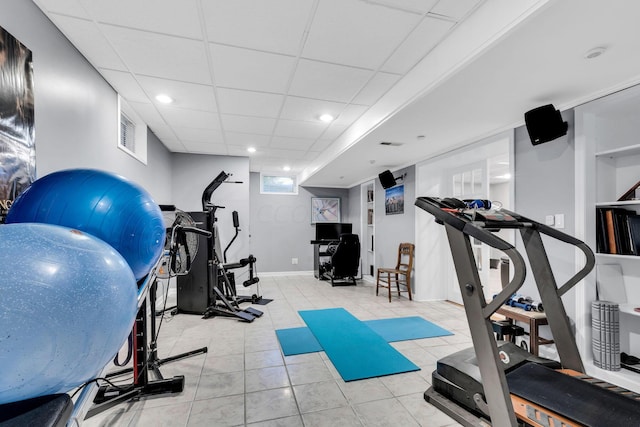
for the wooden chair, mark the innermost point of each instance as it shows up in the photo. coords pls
(401, 274)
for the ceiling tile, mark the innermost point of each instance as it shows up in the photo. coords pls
(163, 132)
(247, 139)
(148, 113)
(350, 114)
(418, 6)
(321, 145)
(250, 69)
(248, 124)
(125, 84)
(375, 88)
(198, 135)
(239, 151)
(66, 7)
(298, 144)
(274, 26)
(173, 145)
(296, 108)
(333, 131)
(455, 9)
(429, 33)
(185, 95)
(311, 155)
(160, 16)
(205, 148)
(299, 129)
(277, 153)
(246, 103)
(189, 118)
(88, 39)
(331, 82)
(356, 33)
(160, 55)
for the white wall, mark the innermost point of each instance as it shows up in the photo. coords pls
(282, 229)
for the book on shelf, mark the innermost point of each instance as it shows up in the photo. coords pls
(617, 231)
(369, 195)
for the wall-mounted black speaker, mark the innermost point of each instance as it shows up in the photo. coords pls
(387, 179)
(545, 124)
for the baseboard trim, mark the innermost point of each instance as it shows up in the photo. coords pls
(286, 273)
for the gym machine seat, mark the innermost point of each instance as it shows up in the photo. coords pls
(345, 260)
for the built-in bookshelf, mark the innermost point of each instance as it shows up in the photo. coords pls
(368, 229)
(607, 137)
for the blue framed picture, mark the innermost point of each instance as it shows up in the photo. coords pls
(394, 200)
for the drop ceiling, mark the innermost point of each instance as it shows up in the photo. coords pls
(428, 75)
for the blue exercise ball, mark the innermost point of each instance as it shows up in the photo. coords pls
(103, 204)
(68, 302)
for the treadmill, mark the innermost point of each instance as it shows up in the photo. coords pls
(497, 383)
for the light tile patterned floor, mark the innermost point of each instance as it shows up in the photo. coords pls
(244, 380)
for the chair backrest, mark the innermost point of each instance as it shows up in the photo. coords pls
(405, 257)
(346, 258)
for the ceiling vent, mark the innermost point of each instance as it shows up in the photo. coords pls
(391, 144)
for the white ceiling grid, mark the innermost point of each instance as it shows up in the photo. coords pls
(254, 72)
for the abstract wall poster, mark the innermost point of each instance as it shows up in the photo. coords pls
(17, 133)
(325, 209)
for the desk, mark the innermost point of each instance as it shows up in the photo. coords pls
(533, 318)
(319, 252)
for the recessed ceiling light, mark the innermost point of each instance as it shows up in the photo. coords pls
(286, 168)
(251, 149)
(595, 52)
(327, 118)
(165, 99)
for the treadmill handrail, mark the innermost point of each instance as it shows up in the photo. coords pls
(474, 229)
(469, 228)
(590, 258)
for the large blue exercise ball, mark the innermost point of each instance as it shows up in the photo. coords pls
(103, 204)
(68, 302)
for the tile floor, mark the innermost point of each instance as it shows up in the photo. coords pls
(244, 380)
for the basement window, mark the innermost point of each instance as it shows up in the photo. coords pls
(132, 132)
(278, 184)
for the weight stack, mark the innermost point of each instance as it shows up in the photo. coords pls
(605, 327)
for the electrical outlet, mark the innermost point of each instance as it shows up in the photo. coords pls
(549, 220)
(294, 261)
(559, 220)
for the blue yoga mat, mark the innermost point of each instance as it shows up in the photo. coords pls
(301, 340)
(356, 351)
(297, 341)
(406, 328)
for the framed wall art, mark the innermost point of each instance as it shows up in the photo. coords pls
(325, 209)
(394, 200)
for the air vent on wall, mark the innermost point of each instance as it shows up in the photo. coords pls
(391, 144)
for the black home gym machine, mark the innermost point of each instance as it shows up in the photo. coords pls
(497, 382)
(210, 289)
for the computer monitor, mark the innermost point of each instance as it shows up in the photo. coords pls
(331, 230)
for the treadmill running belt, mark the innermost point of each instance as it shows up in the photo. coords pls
(584, 403)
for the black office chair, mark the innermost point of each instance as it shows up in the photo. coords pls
(345, 260)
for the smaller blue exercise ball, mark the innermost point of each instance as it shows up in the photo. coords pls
(68, 303)
(100, 203)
